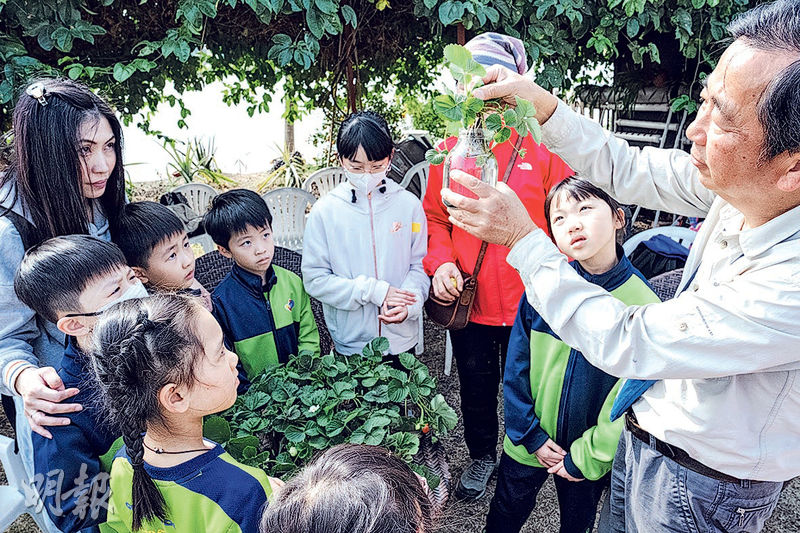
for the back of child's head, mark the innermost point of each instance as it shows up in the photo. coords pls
(368, 130)
(578, 189)
(54, 273)
(351, 489)
(232, 212)
(140, 346)
(140, 227)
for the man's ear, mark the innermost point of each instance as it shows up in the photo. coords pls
(790, 182)
(141, 274)
(74, 326)
(173, 399)
(224, 251)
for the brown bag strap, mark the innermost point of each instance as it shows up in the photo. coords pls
(511, 161)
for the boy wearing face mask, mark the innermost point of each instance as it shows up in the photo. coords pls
(364, 244)
(70, 281)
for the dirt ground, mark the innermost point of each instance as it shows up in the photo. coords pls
(462, 517)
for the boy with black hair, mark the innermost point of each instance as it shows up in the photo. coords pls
(156, 246)
(263, 309)
(557, 405)
(69, 281)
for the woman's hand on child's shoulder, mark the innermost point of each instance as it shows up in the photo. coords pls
(42, 392)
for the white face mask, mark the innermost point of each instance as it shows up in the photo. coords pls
(365, 181)
(136, 290)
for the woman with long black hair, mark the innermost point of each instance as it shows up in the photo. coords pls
(64, 176)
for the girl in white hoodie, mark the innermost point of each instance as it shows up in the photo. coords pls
(364, 243)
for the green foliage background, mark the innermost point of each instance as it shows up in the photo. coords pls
(129, 49)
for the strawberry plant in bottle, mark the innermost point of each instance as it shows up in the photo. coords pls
(479, 125)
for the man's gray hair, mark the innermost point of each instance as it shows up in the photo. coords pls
(775, 26)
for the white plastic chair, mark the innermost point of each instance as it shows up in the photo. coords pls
(205, 241)
(421, 169)
(198, 194)
(289, 206)
(13, 502)
(324, 181)
(683, 236)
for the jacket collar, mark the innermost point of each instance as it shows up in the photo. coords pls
(11, 202)
(75, 362)
(756, 241)
(253, 282)
(612, 279)
(346, 191)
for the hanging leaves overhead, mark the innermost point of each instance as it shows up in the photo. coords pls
(131, 49)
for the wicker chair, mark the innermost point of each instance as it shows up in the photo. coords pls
(212, 267)
(665, 285)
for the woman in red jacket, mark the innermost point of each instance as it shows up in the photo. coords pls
(479, 348)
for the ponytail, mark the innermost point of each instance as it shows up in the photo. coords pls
(146, 500)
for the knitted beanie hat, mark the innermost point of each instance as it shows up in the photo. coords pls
(497, 49)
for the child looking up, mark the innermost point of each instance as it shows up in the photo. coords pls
(364, 243)
(162, 366)
(70, 281)
(263, 309)
(557, 405)
(156, 245)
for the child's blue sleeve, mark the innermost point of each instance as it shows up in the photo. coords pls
(522, 424)
(68, 474)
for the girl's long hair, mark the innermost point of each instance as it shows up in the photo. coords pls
(45, 164)
(141, 345)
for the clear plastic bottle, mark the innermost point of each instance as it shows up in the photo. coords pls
(472, 155)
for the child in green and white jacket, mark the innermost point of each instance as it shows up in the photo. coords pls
(557, 405)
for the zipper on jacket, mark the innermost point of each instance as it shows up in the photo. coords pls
(562, 421)
(272, 325)
(374, 249)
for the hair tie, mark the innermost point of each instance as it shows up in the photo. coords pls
(147, 324)
(37, 90)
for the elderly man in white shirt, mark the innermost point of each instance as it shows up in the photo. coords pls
(711, 438)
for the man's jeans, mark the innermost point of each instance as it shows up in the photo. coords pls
(650, 492)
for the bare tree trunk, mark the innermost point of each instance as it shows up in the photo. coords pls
(288, 135)
(351, 87)
(461, 35)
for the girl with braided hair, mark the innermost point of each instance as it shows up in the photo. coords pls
(161, 366)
